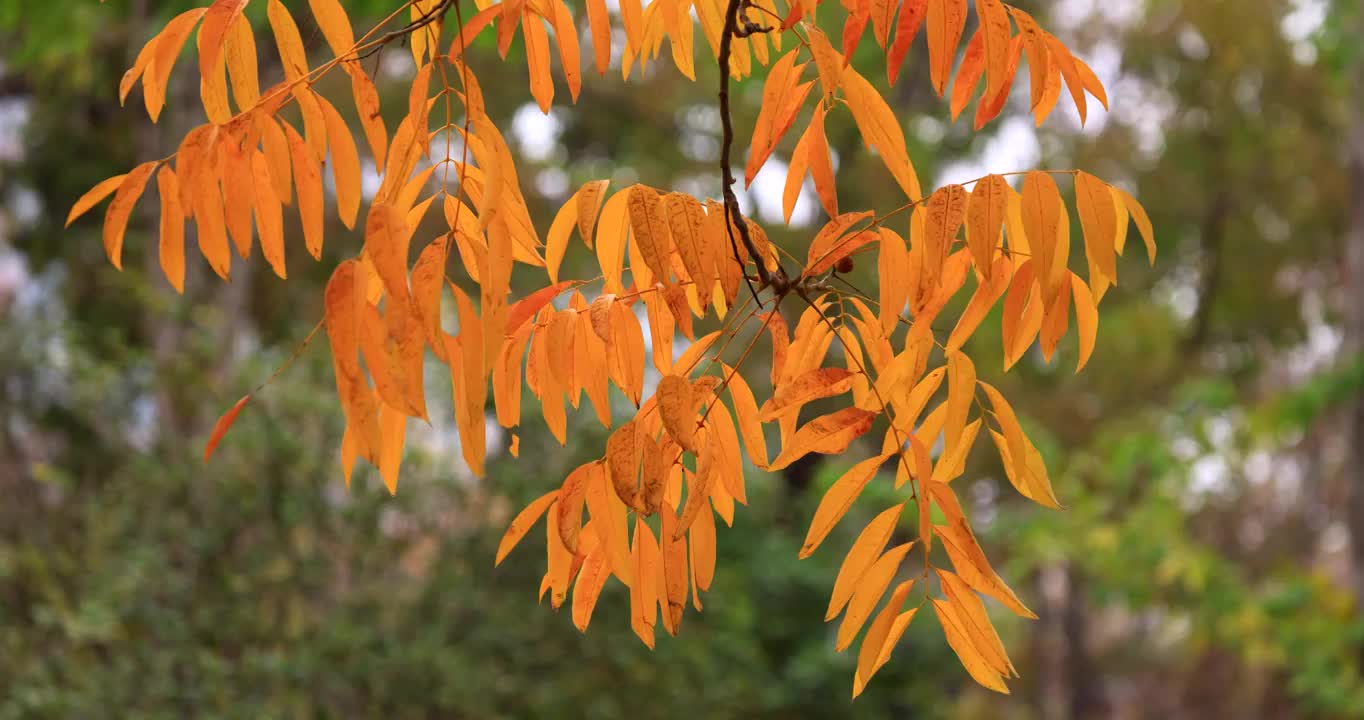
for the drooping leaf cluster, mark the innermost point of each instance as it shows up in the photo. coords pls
(644, 511)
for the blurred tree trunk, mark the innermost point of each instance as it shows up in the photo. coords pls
(1354, 308)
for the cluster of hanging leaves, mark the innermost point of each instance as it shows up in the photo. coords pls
(644, 512)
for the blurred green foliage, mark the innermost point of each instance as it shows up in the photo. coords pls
(1193, 573)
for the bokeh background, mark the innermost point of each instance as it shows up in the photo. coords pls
(1209, 563)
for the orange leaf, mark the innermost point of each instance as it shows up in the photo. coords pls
(968, 74)
(985, 215)
(837, 499)
(1143, 222)
(1042, 211)
(1098, 218)
(599, 20)
(221, 427)
(116, 217)
(870, 587)
(292, 55)
(783, 94)
(345, 163)
(946, 211)
(676, 410)
(863, 553)
(828, 434)
(537, 61)
(746, 409)
(168, 46)
(832, 243)
(955, 629)
(308, 181)
(882, 635)
(811, 385)
(880, 129)
(93, 196)
(995, 32)
(649, 225)
(946, 20)
(172, 246)
(912, 14)
(269, 214)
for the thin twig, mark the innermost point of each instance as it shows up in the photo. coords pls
(779, 282)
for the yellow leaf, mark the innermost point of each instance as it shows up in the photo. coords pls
(874, 643)
(622, 458)
(644, 591)
(367, 104)
(537, 60)
(914, 402)
(880, 129)
(292, 55)
(954, 628)
(241, 63)
(345, 163)
(863, 553)
(1142, 220)
(961, 389)
(522, 523)
(556, 242)
(1099, 221)
(673, 553)
(986, 295)
(892, 268)
(821, 165)
(686, 223)
(837, 500)
(610, 245)
(168, 46)
(952, 463)
(892, 638)
(1086, 319)
(386, 238)
(977, 623)
(599, 21)
(974, 568)
(870, 587)
(331, 19)
(985, 216)
(994, 22)
(1042, 210)
(828, 61)
(746, 409)
(589, 198)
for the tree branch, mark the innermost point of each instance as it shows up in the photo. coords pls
(778, 281)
